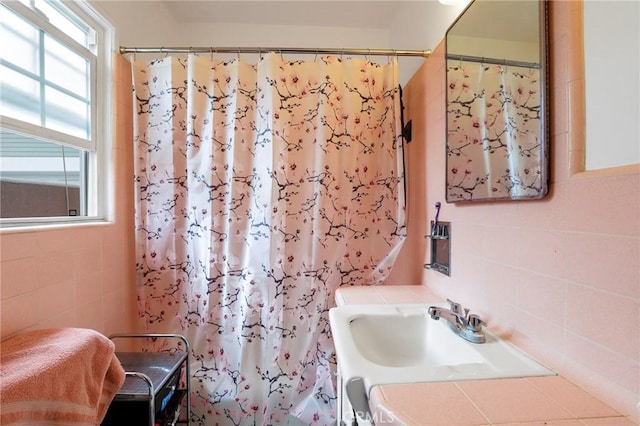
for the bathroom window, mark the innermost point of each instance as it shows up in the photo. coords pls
(55, 111)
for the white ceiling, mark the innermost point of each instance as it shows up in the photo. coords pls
(351, 14)
(514, 17)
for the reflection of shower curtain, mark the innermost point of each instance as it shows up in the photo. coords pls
(493, 129)
(260, 190)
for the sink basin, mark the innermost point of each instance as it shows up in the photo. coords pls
(400, 343)
(407, 339)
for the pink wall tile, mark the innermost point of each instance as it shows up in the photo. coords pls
(87, 261)
(17, 246)
(543, 296)
(60, 320)
(54, 240)
(603, 370)
(541, 251)
(501, 282)
(54, 299)
(471, 237)
(541, 338)
(560, 166)
(605, 205)
(118, 323)
(90, 315)
(55, 266)
(548, 213)
(501, 214)
(567, 256)
(18, 313)
(88, 289)
(502, 244)
(605, 262)
(88, 236)
(112, 256)
(18, 277)
(467, 269)
(584, 306)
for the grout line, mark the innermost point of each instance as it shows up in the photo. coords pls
(542, 391)
(473, 403)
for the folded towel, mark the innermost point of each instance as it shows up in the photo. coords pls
(65, 376)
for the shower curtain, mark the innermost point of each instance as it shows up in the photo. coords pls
(260, 190)
(493, 130)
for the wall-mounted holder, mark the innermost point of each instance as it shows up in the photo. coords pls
(440, 247)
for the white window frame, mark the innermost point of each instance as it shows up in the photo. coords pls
(99, 191)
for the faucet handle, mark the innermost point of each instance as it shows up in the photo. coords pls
(456, 308)
(475, 323)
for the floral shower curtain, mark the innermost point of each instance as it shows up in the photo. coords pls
(493, 128)
(261, 190)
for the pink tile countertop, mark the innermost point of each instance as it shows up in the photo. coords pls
(530, 401)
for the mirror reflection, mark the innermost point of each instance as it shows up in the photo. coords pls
(496, 93)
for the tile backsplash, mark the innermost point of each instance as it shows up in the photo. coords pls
(559, 276)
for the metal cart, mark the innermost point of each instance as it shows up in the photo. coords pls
(151, 393)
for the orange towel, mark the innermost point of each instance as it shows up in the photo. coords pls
(64, 376)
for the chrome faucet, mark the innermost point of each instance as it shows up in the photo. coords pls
(467, 326)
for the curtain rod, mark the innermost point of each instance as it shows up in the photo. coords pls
(492, 61)
(294, 50)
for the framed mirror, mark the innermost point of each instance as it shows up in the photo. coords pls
(497, 102)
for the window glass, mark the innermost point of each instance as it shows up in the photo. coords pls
(66, 113)
(40, 178)
(65, 68)
(65, 21)
(20, 96)
(51, 154)
(21, 42)
(63, 80)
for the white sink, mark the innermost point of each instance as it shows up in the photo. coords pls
(400, 343)
(407, 337)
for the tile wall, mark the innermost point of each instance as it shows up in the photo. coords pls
(559, 276)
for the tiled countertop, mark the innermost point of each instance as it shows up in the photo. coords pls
(530, 401)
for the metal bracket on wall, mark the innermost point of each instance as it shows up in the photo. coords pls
(440, 247)
(407, 131)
